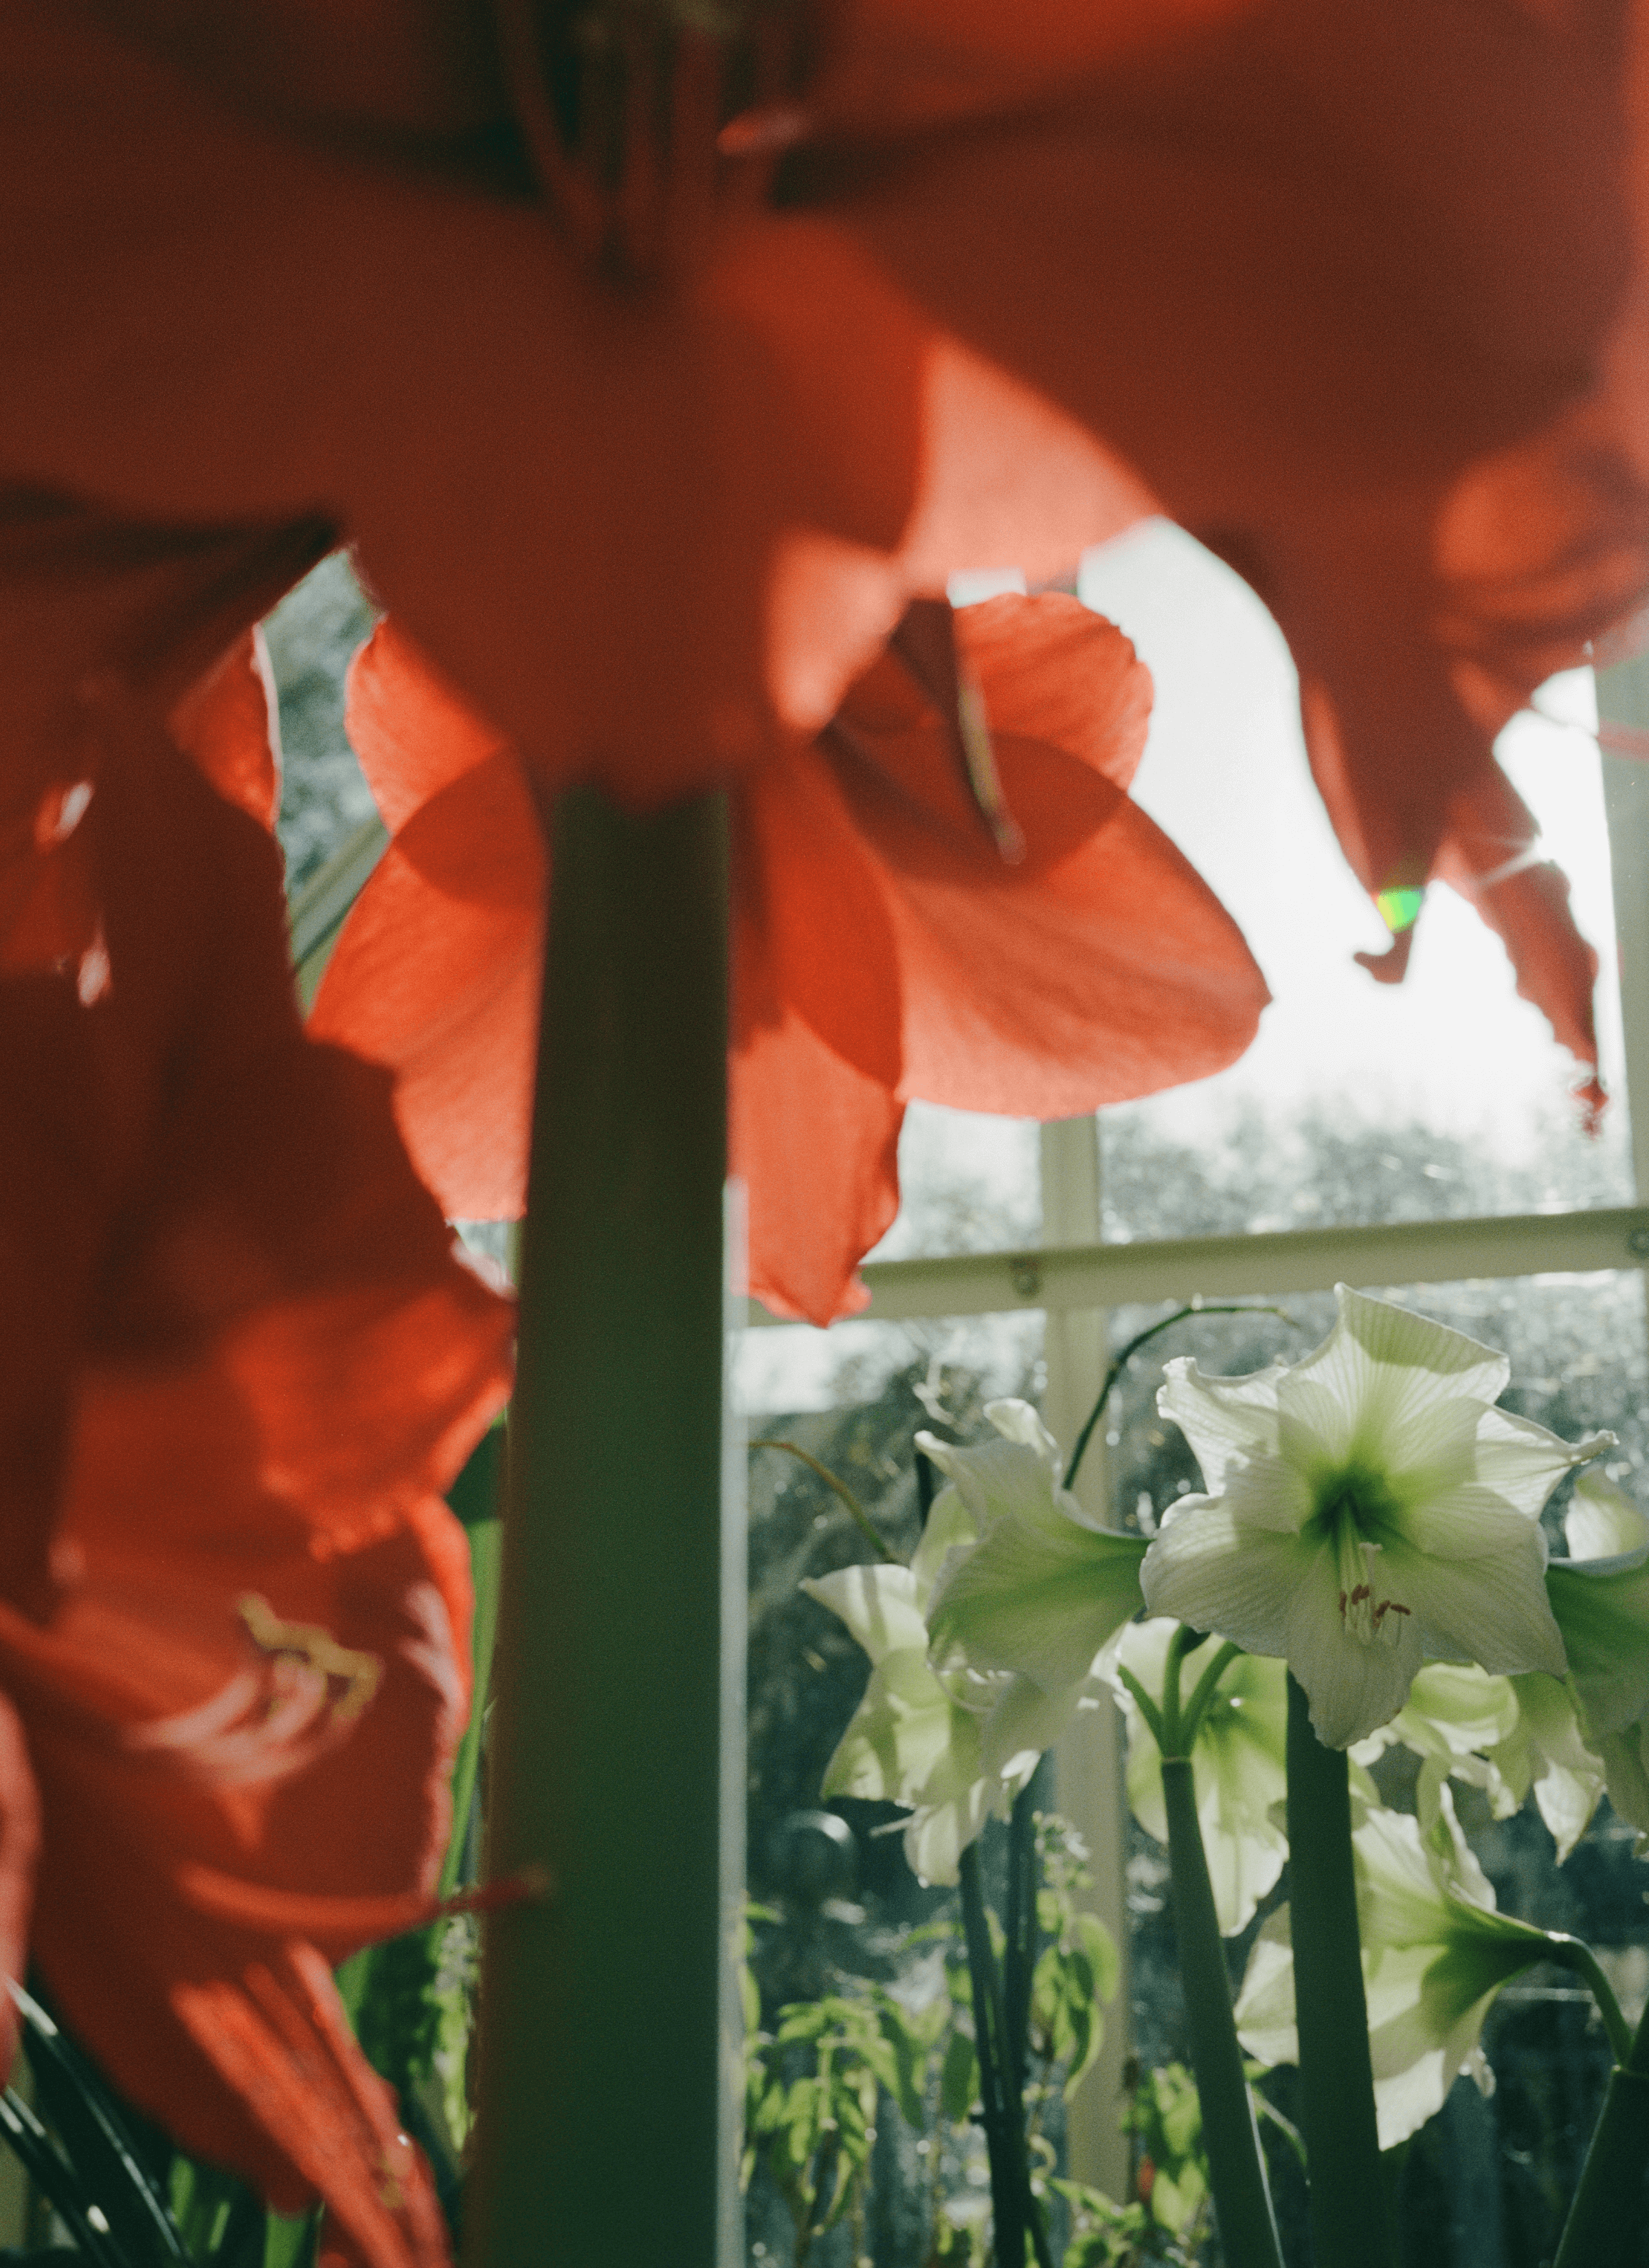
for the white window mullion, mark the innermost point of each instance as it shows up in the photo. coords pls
(1622, 698)
(1087, 1760)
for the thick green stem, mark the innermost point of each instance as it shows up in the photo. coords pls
(1350, 2217)
(1242, 2203)
(1007, 2183)
(1607, 2213)
(475, 1498)
(617, 1759)
(1018, 1965)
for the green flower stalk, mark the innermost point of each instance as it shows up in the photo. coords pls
(1238, 1767)
(1242, 2203)
(1368, 1508)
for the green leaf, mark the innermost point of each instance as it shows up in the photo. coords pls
(1100, 1948)
(73, 2096)
(959, 2078)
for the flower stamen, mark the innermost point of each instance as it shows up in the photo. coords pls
(1364, 1612)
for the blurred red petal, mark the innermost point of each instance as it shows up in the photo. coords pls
(817, 1144)
(229, 723)
(259, 1360)
(813, 1124)
(322, 1784)
(1399, 245)
(436, 976)
(414, 732)
(1487, 857)
(1051, 670)
(19, 1850)
(276, 2034)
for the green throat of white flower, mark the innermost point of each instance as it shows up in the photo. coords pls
(1351, 1509)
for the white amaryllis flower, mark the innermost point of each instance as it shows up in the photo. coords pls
(1502, 1734)
(1237, 1766)
(1434, 1954)
(1367, 1507)
(1046, 1589)
(955, 1748)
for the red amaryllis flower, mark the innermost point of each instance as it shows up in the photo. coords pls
(656, 530)
(240, 1362)
(884, 946)
(1356, 292)
(1349, 292)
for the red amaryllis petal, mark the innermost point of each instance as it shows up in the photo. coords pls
(436, 975)
(20, 1849)
(413, 731)
(817, 1042)
(892, 64)
(1489, 856)
(229, 723)
(267, 1360)
(53, 1226)
(277, 2036)
(748, 476)
(1098, 967)
(215, 1695)
(1052, 671)
(882, 947)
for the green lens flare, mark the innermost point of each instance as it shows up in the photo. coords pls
(1400, 908)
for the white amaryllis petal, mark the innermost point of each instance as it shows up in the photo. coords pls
(957, 1748)
(1455, 1717)
(1464, 1521)
(1388, 1371)
(1209, 1569)
(879, 1604)
(1017, 1474)
(1602, 1522)
(951, 1527)
(1036, 1597)
(1398, 1514)
(1026, 1721)
(1352, 1684)
(1546, 1750)
(1019, 1421)
(1493, 1610)
(1221, 1417)
(1522, 1462)
(904, 1732)
(909, 1741)
(940, 1832)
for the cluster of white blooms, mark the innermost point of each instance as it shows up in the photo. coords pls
(1372, 1524)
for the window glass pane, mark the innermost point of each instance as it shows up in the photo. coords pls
(791, 1367)
(1577, 1346)
(313, 637)
(969, 1183)
(1452, 1058)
